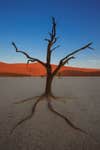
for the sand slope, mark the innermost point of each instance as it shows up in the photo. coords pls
(36, 69)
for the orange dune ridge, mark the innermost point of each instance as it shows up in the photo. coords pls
(36, 69)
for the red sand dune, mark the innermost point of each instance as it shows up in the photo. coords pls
(36, 69)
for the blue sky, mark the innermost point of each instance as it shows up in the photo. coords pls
(27, 22)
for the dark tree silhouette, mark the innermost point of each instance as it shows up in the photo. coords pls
(50, 48)
(48, 95)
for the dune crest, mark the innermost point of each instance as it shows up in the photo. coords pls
(36, 69)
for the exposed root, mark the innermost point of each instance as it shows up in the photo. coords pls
(56, 97)
(48, 98)
(51, 96)
(69, 122)
(29, 116)
(63, 117)
(28, 99)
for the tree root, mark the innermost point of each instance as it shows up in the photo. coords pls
(63, 117)
(69, 122)
(29, 116)
(50, 107)
(28, 99)
(51, 96)
(55, 97)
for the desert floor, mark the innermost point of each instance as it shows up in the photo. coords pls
(45, 130)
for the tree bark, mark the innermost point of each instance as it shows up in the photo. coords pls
(48, 86)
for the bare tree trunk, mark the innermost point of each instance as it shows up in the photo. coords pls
(48, 87)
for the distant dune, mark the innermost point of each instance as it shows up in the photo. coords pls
(36, 69)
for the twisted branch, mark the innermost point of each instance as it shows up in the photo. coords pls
(70, 56)
(78, 50)
(27, 55)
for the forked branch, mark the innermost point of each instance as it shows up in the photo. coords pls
(78, 50)
(31, 59)
(70, 56)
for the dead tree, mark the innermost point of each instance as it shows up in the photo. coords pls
(50, 49)
(48, 95)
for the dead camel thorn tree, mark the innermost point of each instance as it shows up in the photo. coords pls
(50, 49)
(50, 74)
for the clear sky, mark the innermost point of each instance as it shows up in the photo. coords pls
(27, 22)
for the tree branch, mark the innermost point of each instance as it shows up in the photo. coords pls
(51, 42)
(53, 28)
(70, 56)
(27, 56)
(55, 48)
(67, 60)
(78, 50)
